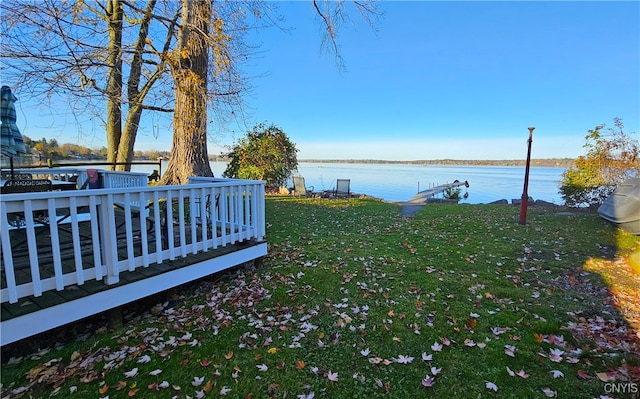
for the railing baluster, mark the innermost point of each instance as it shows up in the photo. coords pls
(7, 257)
(33, 248)
(169, 226)
(144, 213)
(75, 237)
(109, 241)
(181, 224)
(95, 237)
(55, 243)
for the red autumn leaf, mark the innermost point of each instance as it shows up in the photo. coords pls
(583, 375)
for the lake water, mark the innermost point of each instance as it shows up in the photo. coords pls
(393, 182)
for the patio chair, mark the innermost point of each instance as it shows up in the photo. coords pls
(299, 187)
(343, 189)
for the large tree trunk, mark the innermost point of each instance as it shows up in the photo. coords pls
(114, 83)
(135, 94)
(189, 68)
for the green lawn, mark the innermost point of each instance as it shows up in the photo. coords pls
(354, 301)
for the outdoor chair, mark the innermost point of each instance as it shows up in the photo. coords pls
(343, 189)
(299, 187)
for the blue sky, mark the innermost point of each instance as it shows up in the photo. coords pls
(436, 80)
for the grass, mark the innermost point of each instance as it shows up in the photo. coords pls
(355, 301)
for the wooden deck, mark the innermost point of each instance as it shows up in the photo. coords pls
(48, 299)
(105, 249)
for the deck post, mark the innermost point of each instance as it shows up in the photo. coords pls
(114, 318)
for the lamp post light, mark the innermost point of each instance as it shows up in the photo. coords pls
(524, 202)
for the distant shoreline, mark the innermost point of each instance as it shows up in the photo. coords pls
(547, 162)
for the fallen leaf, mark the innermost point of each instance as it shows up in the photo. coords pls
(404, 359)
(583, 375)
(428, 381)
(606, 377)
(332, 376)
(208, 386)
(492, 386)
(549, 393)
(509, 350)
(75, 356)
(557, 374)
(197, 381)
(131, 373)
(555, 355)
(144, 359)
(228, 356)
(272, 388)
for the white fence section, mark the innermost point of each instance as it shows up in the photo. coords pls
(182, 220)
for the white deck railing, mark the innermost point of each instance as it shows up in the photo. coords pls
(118, 179)
(202, 215)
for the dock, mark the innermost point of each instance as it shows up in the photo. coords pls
(422, 197)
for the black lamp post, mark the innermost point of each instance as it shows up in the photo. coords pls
(525, 196)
